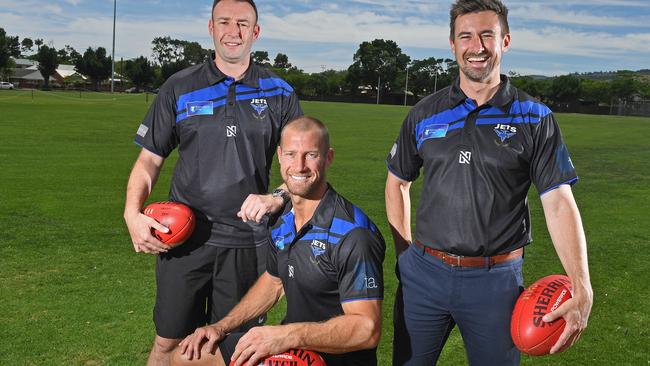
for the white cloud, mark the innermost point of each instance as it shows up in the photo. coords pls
(328, 34)
(550, 14)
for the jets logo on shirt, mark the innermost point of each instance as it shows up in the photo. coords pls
(504, 132)
(317, 248)
(260, 106)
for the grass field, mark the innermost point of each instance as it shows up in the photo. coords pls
(73, 292)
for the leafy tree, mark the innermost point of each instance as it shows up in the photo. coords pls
(426, 75)
(5, 73)
(596, 91)
(624, 88)
(167, 50)
(95, 65)
(68, 55)
(645, 90)
(169, 69)
(296, 78)
(566, 88)
(26, 45)
(139, 71)
(47, 63)
(335, 81)
(261, 58)
(379, 58)
(38, 42)
(536, 88)
(9, 47)
(281, 61)
(194, 54)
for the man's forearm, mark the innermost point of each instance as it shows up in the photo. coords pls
(345, 333)
(257, 301)
(565, 227)
(398, 211)
(141, 181)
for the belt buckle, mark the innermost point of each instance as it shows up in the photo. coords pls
(455, 258)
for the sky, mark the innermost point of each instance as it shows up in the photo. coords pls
(549, 37)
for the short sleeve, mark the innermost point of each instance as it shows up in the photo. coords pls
(359, 259)
(403, 160)
(291, 108)
(158, 132)
(551, 165)
(272, 259)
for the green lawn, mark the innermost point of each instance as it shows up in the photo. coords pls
(73, 292)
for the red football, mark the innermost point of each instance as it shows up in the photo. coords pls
(529, 332)
(293, 357)
(177, 217)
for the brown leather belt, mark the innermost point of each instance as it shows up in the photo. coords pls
(462, 261)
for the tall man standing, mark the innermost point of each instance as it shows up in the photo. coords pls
(481, 142)
(225, 117)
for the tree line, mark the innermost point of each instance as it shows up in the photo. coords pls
(378, 67)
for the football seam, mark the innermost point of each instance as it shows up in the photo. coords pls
(180, 230)
(559, 329)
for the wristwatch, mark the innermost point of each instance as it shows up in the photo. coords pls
(279, 192)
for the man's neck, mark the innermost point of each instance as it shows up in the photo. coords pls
(235, 71)
(304, 207)
(480, 91)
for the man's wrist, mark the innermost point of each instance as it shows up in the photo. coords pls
(281, 193)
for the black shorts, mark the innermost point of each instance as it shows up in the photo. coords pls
(228, 344)
(198, 284)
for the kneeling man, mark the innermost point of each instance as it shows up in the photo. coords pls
(325, 255)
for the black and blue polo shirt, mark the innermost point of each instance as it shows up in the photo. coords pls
(478, 164)
(335, 258)
(226, 132)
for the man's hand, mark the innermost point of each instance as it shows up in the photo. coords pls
(575, 312)
(257, 205)
(192, 344)
(260, 342)
(140, 226)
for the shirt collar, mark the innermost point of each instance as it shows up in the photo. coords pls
(502, 99)
(251, 76)
(324, 213)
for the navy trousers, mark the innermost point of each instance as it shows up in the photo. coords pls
(433, 297)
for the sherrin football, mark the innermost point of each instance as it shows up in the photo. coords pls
(529, 332)
(177, 217)
(293, 357)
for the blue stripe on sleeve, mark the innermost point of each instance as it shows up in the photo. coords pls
(272, 83)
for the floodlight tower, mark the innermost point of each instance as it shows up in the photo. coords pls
(113, 57)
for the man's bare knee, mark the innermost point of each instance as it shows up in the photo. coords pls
(209, 357)
(165, 345)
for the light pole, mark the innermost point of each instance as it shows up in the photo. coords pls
(113, 57)
(435, 83)
(406, 88)
(378, 85)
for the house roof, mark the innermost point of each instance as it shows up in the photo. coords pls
(23, 62)
(32, 73)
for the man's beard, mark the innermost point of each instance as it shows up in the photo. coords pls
(477, 75)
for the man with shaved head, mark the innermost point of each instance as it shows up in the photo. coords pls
(325, 256)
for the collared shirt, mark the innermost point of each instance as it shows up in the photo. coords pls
(478, 164)
(226, 132)
(336, 257)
